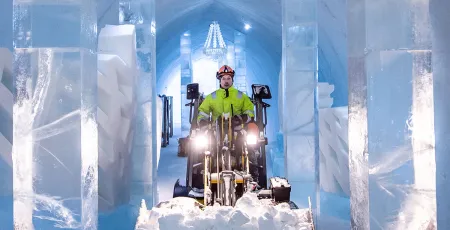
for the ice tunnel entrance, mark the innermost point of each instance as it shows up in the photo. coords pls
(358, 121)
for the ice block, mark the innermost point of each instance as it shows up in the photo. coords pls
(440, 19)
(55, 75)
(141, 13)
(117, 74)
(299, 100)
(186, 78)
(6, 134)
(391, 125)
(240, 79)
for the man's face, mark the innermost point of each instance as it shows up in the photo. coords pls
(226, 81)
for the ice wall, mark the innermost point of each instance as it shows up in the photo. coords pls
(333, 141)
(6, 114)
(440, 37)
(392, 156)
(277, 156)
(332, 30)
(240, 63)
(117, 83)
(299, 90)
(334, 169)
(144, 153)
(55, 155)
(186, 78)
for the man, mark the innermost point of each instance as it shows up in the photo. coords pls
(227, 99)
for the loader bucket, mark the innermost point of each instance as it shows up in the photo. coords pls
(180, 190)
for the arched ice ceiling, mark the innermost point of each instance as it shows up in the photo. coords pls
(174, 17)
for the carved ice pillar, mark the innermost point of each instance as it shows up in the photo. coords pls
(141, 13)
(299, 92)
(441, 78)
(55, 80)
(240, 80)
(186, 78)
(391, 123)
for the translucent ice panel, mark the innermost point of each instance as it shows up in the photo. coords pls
(55, 166)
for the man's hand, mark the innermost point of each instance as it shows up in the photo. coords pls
(239, 119)
(202, 123)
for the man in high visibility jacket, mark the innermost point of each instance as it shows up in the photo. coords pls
(227, 99)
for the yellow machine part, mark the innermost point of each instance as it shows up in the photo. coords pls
(239, 179)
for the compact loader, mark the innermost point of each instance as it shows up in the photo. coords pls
(225, 161)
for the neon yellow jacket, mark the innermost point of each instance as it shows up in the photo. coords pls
(217, 103)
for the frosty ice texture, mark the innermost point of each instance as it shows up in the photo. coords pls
(240, 80)
(117, 74)
(6, 115)
(391, 124)
(55, 165)
(299, 85)
(440, 19)
(186, 78)
(144, 154)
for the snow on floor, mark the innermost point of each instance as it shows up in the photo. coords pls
(248, 213)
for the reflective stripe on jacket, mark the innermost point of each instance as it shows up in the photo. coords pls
(217, 103)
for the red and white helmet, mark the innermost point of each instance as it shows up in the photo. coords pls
(225, 70)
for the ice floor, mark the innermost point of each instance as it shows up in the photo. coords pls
(171, 167)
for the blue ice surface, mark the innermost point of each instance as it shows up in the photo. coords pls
(122, 218)
(6, 212)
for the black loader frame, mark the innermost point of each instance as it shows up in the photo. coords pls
(167, 120)
(196, 98)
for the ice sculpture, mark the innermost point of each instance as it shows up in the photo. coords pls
(117, 75)
(240, 80)
(299, 103)
(55, 155)
(6, 114)
(333, 142)
(145, 147)
(186, 78)
(391, 123)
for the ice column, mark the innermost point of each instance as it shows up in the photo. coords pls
(6, 138)
(240, 81)
(299, 86)
(186, 78)
(55, 76)
(391, 124)
(6, 112)
(141, 13)
(440, 19)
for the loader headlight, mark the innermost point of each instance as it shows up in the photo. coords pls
(201, 141)
(251, 139)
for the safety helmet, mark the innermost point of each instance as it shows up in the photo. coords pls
(252, 128)
(223, 71)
